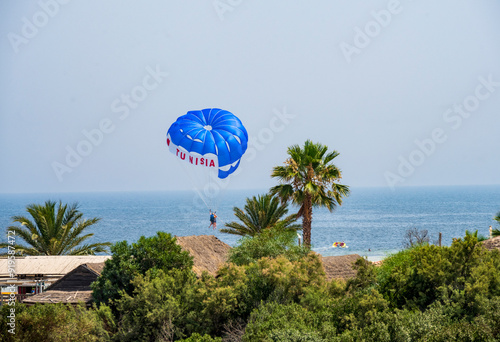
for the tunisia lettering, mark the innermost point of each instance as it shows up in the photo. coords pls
(195, 160)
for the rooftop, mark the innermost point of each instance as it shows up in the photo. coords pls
(208, 252)
(493, 243)
(49, 264)
(74, 287)
(340, 267)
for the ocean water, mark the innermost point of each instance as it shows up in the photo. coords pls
(371, 221)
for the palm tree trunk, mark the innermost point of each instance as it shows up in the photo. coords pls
(306, 220)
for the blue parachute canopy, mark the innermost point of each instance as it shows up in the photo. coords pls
(210, 138)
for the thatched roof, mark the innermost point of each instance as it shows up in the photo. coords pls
(208, 252)
(49, 264)
(492, 244)
(74, 287)
(66, 297)
(97, 267)
(77, 280)
(340, 267)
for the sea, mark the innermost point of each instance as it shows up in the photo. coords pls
(372, 222)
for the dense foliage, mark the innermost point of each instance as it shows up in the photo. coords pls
(159, 252)
(270, 243)
(56, 322)
(424, 293)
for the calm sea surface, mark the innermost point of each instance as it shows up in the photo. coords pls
(371, 218)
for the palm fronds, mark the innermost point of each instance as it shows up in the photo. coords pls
(260, 213)
(54, 229)
(309, 179)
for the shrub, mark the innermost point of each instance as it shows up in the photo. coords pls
(198, 338)
(462, 331)
(5, 310)
(157, 306)
(176, 304)
(270, 243)
(56, 322)
(159, 252)
(268, 279)
(412, 277)
(292, 335)
(283, 280)
(434, 324)
(277, 322)
(463, 276)
(366, 276)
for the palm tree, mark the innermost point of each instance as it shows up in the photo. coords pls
(308, 179)
(262, 212)
(54, 232)
(496, 232)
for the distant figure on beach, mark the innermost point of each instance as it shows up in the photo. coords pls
(213, 219)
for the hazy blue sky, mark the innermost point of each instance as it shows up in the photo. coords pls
(407, 91)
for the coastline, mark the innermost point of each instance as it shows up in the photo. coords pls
(373, 256)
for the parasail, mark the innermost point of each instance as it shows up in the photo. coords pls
(210, 138)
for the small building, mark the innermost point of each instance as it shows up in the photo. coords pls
(67, 279)
(73, 288)
(33, 274)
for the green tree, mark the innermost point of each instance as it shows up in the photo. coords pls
(199, 338)
(54, 230)
(277, 322)
(261, 213)
(366, 275)
(269, 279)
(308, 179)
(464, 276)
(56, 323)
(496, 232)
(282, 280)
(159, 252)
(157, 306)
(270, 243)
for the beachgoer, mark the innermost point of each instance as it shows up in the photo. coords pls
(213, 219)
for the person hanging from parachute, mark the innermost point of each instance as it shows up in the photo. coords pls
(213, 219)
(211, 141)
